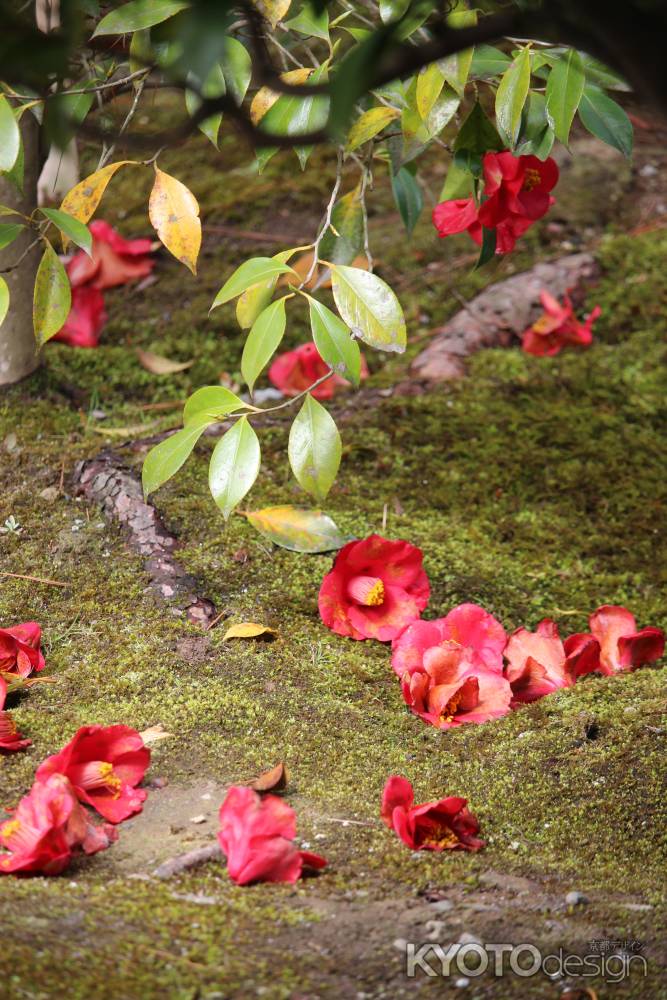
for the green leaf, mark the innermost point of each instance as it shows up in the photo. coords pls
(369, 125)
(10, 137)
(293, 115)
(564, 89)
(261, 343)
(137, 15)
(314, 448)
(166, 458)
(8, 233)
(488, 61)
(212, 402)
(214, 86)
(354, 73)
(457, 67)
(537, 136)
(15, 175)
(408, 197)
(332, 339)
(511, 97)
(606, 120)
(458, 183)
(251, 272)
(477, 134)
(597, 73)
(236, 68)
(4, 299)
(311, 22)
(72, 228)
(488, 247)
(297, 528)
(430, 82)
(369, 307)
(52, 297)
(234, 466)
(347, 219)
(392, 10)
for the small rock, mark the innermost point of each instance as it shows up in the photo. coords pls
(50, 493)
(576, 898)
(400, 944)
(648, 170)
(10, 442)
(157, 783)
(442, 906)
(198, 819)
(462, 982)
(98, 415)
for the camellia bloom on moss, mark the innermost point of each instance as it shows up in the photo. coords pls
(375, 589)
(20, 652)
(104, 765)
(86, 318)
(538, 663)
(47, 829)
(467, 625)
(557, 328)
(256, 836)
(10, 738)
(442, 825)
(622, 645)
(114, 260)
(294, 371)
(516, 194)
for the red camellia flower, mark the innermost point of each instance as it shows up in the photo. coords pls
(558, 327)
(10, 738)
(622, 646)
(104, 765)
(375, 588)
(114, 260)
(20, 651)
(516, 194)
(48, 828)
(434, 826)
(467, 625)
(256, 836)
(86, 318)
(538, 663)
(293, 371)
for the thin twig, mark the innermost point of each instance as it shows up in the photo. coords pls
(35, 579)
(183, 862)
(31, 246)
(108, 153)
(327, 219)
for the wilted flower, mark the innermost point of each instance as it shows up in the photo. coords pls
(104, 765)
(114, 260)
(20, 651)
(434, 826)
(47, 828)
(294, 371)
(558, 327)
(467, 625)
(375, 589)
(622, 645)
(10, 738)
(538, 663)
(256, 836)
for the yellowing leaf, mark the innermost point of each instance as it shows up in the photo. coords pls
(297, 528)
(265, 98)
(85, 196)
(248, 630)
(158, 365)
(154, 734)
(368, 125)
(174, 213)
(273, 10)
(52, 296)
(274, 780)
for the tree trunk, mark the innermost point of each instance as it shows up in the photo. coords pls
(18, 353)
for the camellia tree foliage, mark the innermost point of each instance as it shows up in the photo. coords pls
(380, 82)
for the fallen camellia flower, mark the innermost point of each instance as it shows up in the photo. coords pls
(85, 320)
(516, 194)
(104, 765)
(538, 662)
(48, 828)
(256, 836)
(434, 826)
(20, 651)
(467, 625)
(622, 646)
(375, 589)
(294, 371)
(557, 328)
(114, 260)
(10, 738)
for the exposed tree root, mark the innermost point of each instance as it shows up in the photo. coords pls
(183, 862)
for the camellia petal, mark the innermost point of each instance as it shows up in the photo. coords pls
(444, 824)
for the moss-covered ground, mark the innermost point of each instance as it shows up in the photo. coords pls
(534, 487)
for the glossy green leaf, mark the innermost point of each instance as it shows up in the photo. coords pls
(138, 14)
(236, 68)
(212, 402)
(605, 119)
(391, 10)
(314, 448)
(457, 67)
(311, 22)
(4, 299)
(368, 125)
(345, 239)
(353, 76)
(52, 296)
(297, 528)
(564, 89)
(488, 61)
(293, 115)
(458, 183)
(537, 136)
(256, 298)
(511, 97)
(72, 228)
(488, 247)
(166, 458)
(262, 341)
(477, 134)
(332, 339)
(8, 233)
(251, 272)
(10, 137)
(234, 466)
(214, 86)
(408, 197)
(370, 308)
(430, 82)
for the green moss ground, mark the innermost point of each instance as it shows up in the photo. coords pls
(534, 486)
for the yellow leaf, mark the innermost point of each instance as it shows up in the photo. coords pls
(273, 10)
(368, 125)
(158, 365)
(154, 734)
(84, 198)
(265, 98)
(174, 213)
(248, 630)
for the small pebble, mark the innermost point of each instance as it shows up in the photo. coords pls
(575, 898)
(442, 906)
(198, 819)
(462, 982)
(50, 493)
